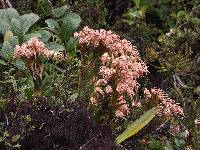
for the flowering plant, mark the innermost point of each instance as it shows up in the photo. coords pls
(120, 68)
(32, 53)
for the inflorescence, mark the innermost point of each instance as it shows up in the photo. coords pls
(120, 68)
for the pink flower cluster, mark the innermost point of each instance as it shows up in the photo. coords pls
(166, 106)
(123, 108)
(34, 48)
(120, 64)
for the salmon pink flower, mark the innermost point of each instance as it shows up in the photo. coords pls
(121, 64)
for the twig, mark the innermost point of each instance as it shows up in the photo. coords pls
(94, 138)
(7, 122)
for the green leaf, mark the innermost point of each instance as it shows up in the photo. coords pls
(72, 43)
(181, 15)
(70, 24)
(2, 62)
(195, 21)
(4, 26)
(11, 13)
(16, 27)
(73, 97)
(72, 19)
(7, 51)
(14, 41)
(2, 103)
(156, 144)
(197, 90)
(20, 65)
(71, 46)
(169, 146)
(1, 139)
(2, 13)
(28, 20)
(8, 14)
(134, 14)
(55, 47)
(137, 3)
(58, 12)
(31, 35)
(137, 125)
(45, 35)
(53, 25)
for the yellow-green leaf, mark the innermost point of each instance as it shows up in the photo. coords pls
(137, 125)
(8, 35)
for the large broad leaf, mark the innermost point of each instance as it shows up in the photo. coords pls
(16, 27)
(55, 47)
(52, 25)
(8, 14)
(72, 19)
(45, 35)
(28, 20)
(42, 34)
(137, 125)
(4, 26)
(70, 23)
(58, 12)
(2, 13)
